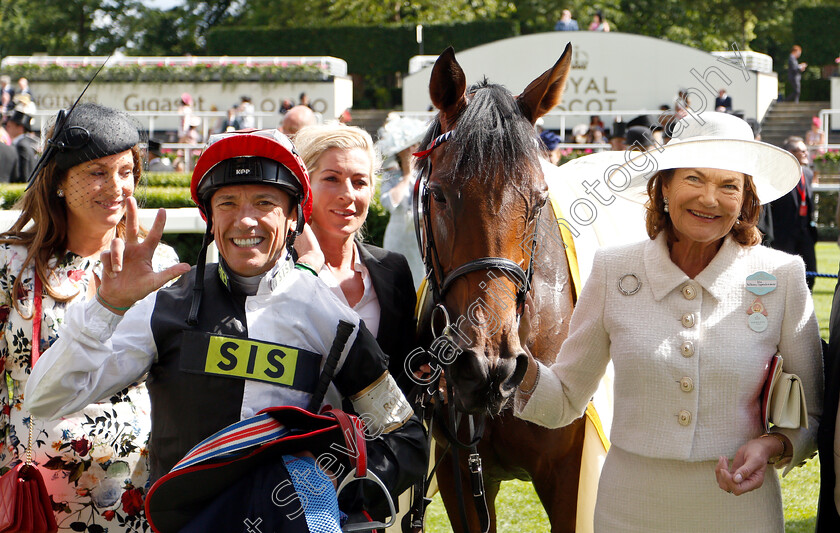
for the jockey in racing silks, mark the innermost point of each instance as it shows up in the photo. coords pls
(195, 340)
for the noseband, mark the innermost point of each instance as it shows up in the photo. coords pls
(428, 249)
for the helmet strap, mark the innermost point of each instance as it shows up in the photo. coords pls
(198, 284)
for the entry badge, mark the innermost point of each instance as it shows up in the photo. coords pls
(239, 358)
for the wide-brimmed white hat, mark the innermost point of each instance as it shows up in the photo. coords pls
(400, 133)
(710, 140)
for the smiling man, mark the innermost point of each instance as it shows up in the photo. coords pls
(225, 342)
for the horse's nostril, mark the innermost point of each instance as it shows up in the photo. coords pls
(516, 377)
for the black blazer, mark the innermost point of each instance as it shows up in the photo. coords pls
(391, 278)
(27, 158)
(828, 521)
(788, 227)
(8, 163)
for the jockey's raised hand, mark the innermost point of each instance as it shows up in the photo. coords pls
(127, 272)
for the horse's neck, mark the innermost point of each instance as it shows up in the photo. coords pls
(552, 292)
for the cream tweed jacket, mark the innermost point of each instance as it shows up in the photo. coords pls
(688, 368)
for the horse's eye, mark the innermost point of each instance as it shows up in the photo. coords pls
(437, 194)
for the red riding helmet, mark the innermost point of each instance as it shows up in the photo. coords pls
(251, 156)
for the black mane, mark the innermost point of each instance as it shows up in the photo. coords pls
(491, 138)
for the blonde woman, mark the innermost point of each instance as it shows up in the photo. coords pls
(376, 283)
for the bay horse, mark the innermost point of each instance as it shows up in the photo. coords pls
(489, 236)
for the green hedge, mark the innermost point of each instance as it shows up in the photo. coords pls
(815, 30)
(166, 179)
(170, 73)
(147, 197)
(368, 50)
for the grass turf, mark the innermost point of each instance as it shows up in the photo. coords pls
(520, 509)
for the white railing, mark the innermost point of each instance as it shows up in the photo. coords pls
(625, 114)
(333, 65)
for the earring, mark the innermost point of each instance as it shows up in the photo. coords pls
(665, 200)
(60, 193)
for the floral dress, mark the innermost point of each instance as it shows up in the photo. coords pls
(95, 461)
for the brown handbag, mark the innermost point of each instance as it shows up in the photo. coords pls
(25, 505)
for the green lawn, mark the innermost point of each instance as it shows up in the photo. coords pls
(799, 488)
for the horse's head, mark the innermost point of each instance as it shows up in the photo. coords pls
(484, 191)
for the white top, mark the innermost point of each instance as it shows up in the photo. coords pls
(95, 455)
(368, 307)
(98, 352)
(688, 368)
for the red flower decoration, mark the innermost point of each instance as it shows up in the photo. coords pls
(132, 501)
(4, 313)
(81, 446)
(75, 275)
(109, 515)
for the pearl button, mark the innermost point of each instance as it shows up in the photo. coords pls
(252, 306)
(688, 320)
(684, 417)
(686, 384)
(687, 349)
(689, 292)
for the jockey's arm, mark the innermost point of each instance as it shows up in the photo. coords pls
(394, 435)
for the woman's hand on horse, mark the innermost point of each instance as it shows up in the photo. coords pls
(308, 250)
(528, 381)
(748, 466)
(525, 321)
(128, 275)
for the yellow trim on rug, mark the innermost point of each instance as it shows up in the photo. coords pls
(569, 241)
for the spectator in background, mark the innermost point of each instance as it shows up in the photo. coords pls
(8, 163)
(640, 138)
(815, 138)
(304, 100)
(794, 73)
(246, 112)
(23, 83)
(158, 163)
(793, 229)
(398, 140)
(285, 106)
(24, 143)
(296, 118)
(231, 122)
(598, 23)
(566, 22)
(618, 135)
(8, 94)
(185, 110)
(345, 117)
(723, 102)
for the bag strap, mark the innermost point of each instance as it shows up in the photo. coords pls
(37, 316)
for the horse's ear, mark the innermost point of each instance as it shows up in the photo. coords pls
(544, 93)
(448, 84)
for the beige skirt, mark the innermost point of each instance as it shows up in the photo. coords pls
(640, 494)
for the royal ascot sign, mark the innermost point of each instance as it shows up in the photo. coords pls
(612, 72)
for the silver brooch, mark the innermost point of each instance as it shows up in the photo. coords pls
(630, 286)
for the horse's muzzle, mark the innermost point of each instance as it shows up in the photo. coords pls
(484, 385)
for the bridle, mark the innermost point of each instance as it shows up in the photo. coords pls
(439, 281)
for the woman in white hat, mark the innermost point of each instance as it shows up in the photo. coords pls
(690, 320)
(398, 140)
